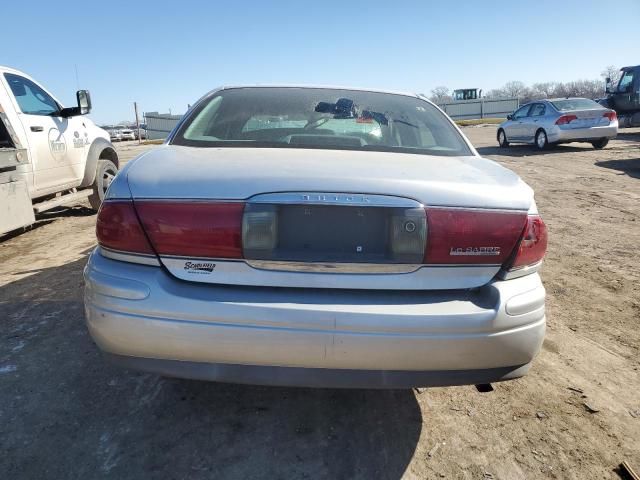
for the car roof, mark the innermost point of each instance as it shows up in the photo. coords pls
(550, 100)
(211, 93)
(4, 68)
(567, 98)
(327, 87)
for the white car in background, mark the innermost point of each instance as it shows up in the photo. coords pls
(115, 135)
(143, 133)
(127, 134)
(319, 237)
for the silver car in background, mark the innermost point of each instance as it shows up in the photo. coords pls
(560, 120)
(114, 134)
(319, 237)
(127, 134)
(142, 135)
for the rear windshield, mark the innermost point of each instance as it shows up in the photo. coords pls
(575, 104)
(320, 118)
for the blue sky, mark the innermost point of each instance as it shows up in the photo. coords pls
(165, 56)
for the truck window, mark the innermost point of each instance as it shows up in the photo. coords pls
(625, 82)
(31, 99)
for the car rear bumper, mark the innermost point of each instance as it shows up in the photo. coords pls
(557, 134)
(317, 377)
(145, 318)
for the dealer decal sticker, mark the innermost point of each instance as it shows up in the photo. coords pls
(199, 268)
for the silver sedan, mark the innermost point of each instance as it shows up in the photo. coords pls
(318, 237)
(562, 120)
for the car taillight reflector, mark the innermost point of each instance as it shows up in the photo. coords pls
(610, 115)
(533, 244)
(408, 234)
(565, 119)
(118, 228)
(259, 229)
(193, 229)
(459, 236)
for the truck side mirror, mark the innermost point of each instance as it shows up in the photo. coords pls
(84, 105)
(607, 85)
(84, 101)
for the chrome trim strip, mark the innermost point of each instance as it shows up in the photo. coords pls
(203, 259)
(335, 198)
(273, 198)
(475, 209)
(240, 273)
(329, 267)
(140, 258)
(520, 272)
(187, 200)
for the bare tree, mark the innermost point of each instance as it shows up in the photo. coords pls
(611, 72)
(495, 93)
(515, 88)
(564, 90)
(543, 90)
(577, 88)
(589, 88)
(440, 94)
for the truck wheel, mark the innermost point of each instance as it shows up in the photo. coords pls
(105, 173)
(600, 144)
(541, 140)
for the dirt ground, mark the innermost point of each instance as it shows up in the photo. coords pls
(65, 413)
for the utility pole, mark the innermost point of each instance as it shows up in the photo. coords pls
(135, 108)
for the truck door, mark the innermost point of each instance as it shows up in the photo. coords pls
(628, 91)
(56, 144)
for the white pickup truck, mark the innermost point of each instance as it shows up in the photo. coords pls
(49, 155)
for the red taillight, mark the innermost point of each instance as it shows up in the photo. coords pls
(193, 229)
(214, 230)
(565, 119)
(118, 228)
(533, 244)
(610, 115)
(457, 236)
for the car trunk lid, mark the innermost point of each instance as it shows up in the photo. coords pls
(585, 118)
(240, 173)
(396, 221)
